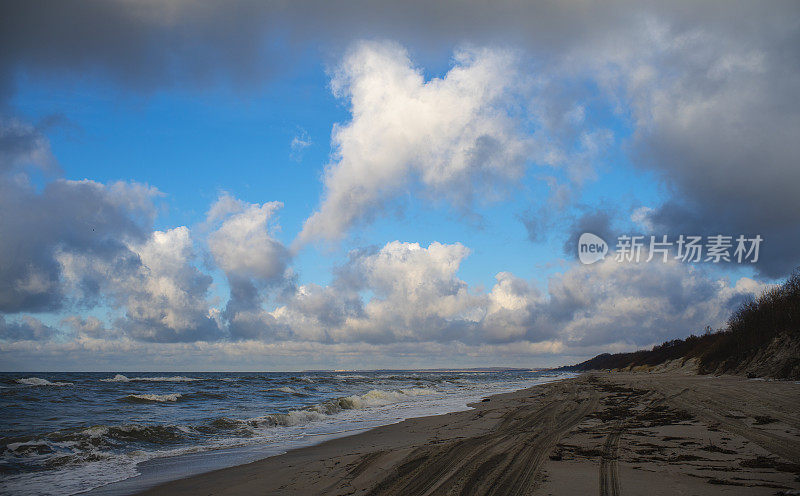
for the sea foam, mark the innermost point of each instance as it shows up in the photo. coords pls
(38, 381)
(176, 378)
(157, 398)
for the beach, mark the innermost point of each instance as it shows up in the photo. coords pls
(114, 434)
(599, 433)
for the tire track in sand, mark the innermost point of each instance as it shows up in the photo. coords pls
(609, 472)
(504, 463)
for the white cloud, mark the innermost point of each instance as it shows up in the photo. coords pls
(299, 143)
(511, 311)
(90, 327)
(401, 300)
(639, 303)
(414, 295)
(587, 310)
(641, 216)
(417, 293)
(244, 244)
(453, 135)
(156, 283)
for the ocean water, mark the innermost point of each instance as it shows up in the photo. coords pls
(65, 433)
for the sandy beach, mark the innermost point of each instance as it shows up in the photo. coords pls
(600, 433)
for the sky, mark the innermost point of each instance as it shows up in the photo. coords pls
(311, 185)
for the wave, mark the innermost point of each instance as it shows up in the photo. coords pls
(293, 417)
(322, 411)
(107, 444)
(173, 397)
(71, 447)
(375, 397)
(370, 399)
(111, 450)
(152, 398)
(176, 378)
(155, 434)
(38, 381)
(309, 380)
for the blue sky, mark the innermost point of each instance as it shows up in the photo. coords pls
(610, 130)
(194, 145)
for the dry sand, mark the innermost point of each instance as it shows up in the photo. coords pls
(607, 434)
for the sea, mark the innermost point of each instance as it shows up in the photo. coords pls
(69, 433)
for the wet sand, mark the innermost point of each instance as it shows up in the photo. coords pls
(600, 433)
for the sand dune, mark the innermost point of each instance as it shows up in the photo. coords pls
(606, 434)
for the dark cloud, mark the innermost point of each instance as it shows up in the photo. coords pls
(719, 123)
(598, 221)
(777, 255)
(140, 45)
(144, 327)
(145, 45)
(28, 329)
(70, 216)
(25, 145)
(242, 313)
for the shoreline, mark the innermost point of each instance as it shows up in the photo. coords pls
(596, 432)
(163, 470)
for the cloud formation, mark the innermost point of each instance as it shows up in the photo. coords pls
(714, 116)
(639, 303)
(453, 135)
(29, 329)
(400, 293)
(415, 295)
(64, 217)
(244, 246)
(22, 144)
(162, 293)
(709, 94)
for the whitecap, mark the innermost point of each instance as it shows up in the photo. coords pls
(176, 378)
(156, 398)
(38, 381)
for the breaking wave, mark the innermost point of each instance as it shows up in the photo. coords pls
(288, 390)
(169, 398)
(100, 430)
(152, 398)
(177, 378)
(132, 441)
(374, 398)
(38, 381)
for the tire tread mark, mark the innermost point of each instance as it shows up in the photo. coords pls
(609, 472)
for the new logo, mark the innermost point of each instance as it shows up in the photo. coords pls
(591, 248)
